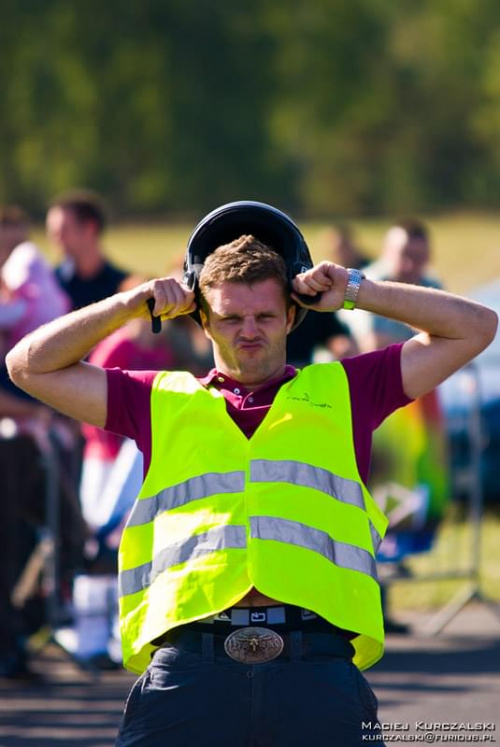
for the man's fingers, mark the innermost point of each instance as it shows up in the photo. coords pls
(312, 282)
(324, 284)
(171, 298)
(189, 309)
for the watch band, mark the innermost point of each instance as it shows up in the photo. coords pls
(352, 288)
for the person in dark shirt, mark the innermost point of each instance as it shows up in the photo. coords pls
(319, 331)
(75, 223)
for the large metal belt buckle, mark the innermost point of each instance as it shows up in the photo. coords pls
(253, 645)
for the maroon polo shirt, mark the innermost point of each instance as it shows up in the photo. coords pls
(375, 387)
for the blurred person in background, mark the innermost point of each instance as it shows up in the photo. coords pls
(405, 258)
(75, 223)
(342, 248)
(112, 474)
(319, 337)
(29, 296)
(29, 293)
(413, 479)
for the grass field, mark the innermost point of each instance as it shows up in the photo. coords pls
(466, 246)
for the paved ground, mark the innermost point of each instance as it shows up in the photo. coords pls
(454, 677)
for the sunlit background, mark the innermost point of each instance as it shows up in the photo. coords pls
(329, 109)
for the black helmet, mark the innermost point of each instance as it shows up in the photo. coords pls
(266, 223)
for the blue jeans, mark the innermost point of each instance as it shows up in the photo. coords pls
(194, 695)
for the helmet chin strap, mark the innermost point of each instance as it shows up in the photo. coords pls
(309, 300)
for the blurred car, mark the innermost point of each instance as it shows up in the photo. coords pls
(471, 404)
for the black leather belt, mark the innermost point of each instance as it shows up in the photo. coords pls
(283, 617)
(254, 645)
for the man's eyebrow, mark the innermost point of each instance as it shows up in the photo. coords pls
(262, 312)
(226, 314)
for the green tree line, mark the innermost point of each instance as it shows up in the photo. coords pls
(327, 107)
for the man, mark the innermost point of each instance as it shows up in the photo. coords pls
(247, 566)
(405, 258)
(75, 224)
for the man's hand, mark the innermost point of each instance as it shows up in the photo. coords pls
(453, 329)
(328, 279)
(171, 298)
(48, 362)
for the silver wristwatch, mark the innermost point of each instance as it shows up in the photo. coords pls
(352, 288)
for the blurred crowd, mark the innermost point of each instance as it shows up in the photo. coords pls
(67, 489)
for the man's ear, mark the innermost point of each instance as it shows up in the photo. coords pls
(205, 324)
(290, 317)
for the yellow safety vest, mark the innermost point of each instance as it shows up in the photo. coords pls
(285, 512)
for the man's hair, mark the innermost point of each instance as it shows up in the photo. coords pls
(414, 228)
(245, 260)
(13, 215)
(86, 206)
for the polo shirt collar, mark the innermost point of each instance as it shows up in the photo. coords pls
(222, 380)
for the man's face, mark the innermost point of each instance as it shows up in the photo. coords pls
(248, 325)
(67, 232)
(407, 257)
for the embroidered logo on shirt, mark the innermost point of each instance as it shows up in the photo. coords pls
(307, 399)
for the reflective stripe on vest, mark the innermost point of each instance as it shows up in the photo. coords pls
(220, 538)
(298, 473)
(233, 537)
(295, 533)
(307, 476)
(261, 470)
(376, 538)
(193, 489)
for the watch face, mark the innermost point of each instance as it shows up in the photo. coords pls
(352, 288)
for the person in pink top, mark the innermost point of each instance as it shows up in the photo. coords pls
(29, 293)
(274, 462)
(31, 296)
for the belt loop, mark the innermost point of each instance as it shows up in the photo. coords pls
(207, 647)
(295, 645)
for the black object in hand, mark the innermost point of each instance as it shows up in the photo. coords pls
(308, 299)
(155, 320)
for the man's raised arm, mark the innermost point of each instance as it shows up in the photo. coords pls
(48, 363)
(453, 329)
